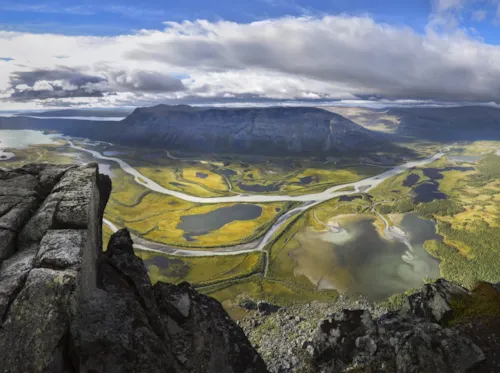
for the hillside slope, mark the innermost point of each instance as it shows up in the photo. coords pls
(259, 131)
(454, 123)
(275, 130)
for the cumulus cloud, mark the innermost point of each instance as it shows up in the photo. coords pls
(354, 54)
(56, 83)
(292, 58)
(144, 81)
(65, 82)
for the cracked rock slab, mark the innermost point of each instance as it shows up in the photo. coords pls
(38, 321)
(61, 249)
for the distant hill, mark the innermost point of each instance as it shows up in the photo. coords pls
(455, 123)
(104, 113)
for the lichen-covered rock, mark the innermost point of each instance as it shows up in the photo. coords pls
(354, 335)
(392, 343)
(62, 248)
(35, 330)
(7, 243)
(433, 302)
(178, 329)
(48, 267)
(67, 307)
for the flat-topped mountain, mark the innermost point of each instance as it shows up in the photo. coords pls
(273, 130)
(258, 131)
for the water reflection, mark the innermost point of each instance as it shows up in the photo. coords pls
(200, 224)
(360, 260)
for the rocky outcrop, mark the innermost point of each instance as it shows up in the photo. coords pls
(392, 343)
(131, 326)
(67, 306)
(433, 302)
(359, 337)
(47, 268)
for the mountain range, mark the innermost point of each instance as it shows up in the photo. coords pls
(258, 131)
(283, 131)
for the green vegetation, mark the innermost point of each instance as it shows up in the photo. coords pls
(468, 220)
(155, 217)
(483, 303)
(41, 154)
(258, 288)
(445, 207)
(200, 271)
(396, 301)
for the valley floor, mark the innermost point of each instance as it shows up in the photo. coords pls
(440, 219)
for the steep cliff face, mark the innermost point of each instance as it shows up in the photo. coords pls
(66, 306)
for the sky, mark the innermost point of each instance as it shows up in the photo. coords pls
(108, 53)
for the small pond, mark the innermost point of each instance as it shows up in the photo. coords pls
(201, 175)
(200, 224)
(429, 190)
(349, 198)
(411, 180)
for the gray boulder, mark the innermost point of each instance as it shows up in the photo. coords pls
(433, 302)
(407, 341)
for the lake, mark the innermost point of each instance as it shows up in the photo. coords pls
(200, 224)
(18, 139)
(360, 260)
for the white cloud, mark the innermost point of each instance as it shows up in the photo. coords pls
(327, 58)
(42, 85)
(445, 5)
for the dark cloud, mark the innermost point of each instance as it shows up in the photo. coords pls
(58, 83)
(66, 82)
(144, 81)
(70, 75)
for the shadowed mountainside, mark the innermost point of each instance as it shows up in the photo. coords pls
(465, 123)
(300, 131)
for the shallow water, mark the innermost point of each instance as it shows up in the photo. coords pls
(464, 158)
(198, 225)
(201, 175)
(359, 260)
(427, 192)
(111, 153)
(18, 139)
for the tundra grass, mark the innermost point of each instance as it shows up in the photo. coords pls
(258, 288)
(154, 216)
(200, 271)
